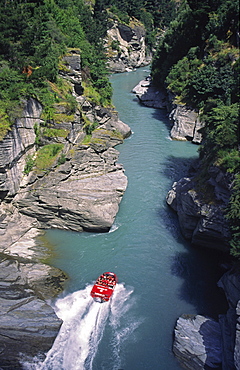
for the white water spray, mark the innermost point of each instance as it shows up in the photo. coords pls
(84, 321)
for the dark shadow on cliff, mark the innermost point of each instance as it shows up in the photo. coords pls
(200, 271)
(199, 268)
(211, 336)
(178, 167)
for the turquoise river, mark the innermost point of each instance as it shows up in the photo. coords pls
(160, 275)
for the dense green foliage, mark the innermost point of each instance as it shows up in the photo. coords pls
(34, 35)
(198, 60)
(154, 14)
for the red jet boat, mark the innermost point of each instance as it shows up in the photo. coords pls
(103, 288)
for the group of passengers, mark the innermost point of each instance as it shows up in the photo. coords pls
(106, 279)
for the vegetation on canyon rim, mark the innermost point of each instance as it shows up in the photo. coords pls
(197, 59)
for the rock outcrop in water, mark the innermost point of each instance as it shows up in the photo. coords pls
(80, 190)
(197, 342)
(202, 223)
(185, 121)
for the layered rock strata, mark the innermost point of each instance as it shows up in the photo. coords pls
(80, 190)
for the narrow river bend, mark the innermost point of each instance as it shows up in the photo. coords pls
(160, 276)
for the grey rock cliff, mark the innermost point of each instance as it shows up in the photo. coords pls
(200, 222)
(28, 324)
(126, 47)
(186, 124)
(197, 342)
(14, 148)
(83, 193)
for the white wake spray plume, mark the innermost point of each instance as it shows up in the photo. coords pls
(84, 321)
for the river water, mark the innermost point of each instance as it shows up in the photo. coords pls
(160, 275)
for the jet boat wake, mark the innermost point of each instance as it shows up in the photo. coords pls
(84, 321)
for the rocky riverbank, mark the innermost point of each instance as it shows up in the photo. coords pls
(80, 190)
(201, 342)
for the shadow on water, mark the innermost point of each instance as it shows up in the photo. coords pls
(176, 167)
(163, 116)
(199, 268)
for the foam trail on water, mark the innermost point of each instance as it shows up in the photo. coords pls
(83, 320)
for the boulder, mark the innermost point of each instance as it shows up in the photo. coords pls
(197, 342)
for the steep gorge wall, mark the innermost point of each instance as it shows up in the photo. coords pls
(16, 146)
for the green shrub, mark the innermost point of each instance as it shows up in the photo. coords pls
(233, 215)
(30, 162)
(47, 155)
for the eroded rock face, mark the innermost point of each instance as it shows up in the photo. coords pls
(126, 47)
(83, 193)
(186, 124)
(149, 95)
(14, 148)
(201, 223)
(28, 324)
